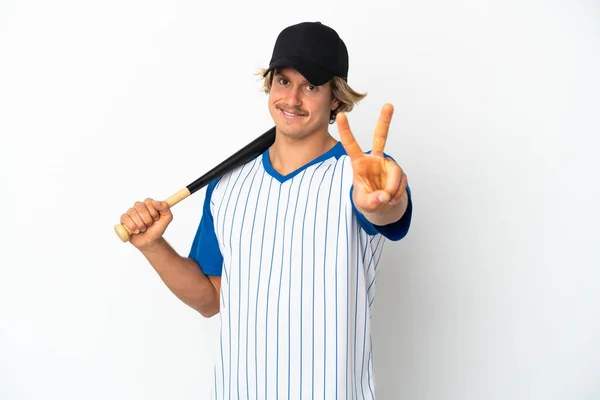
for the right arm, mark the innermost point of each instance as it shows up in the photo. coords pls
(182, 275)
(184, 278)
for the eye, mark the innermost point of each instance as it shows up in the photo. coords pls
(311, 88)
(283, 82)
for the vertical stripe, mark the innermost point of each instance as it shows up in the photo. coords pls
(370, 367)
(313, 281)
(302, 275)
(228, 202)
(348, 353)
(379, 258)
(225, 267)
(364, 254)
(240, 190)
(215, 388)
(239, 294)
(337, 244)
(373, 255)
(220, 204)
(374, 252)
(258, 286)
(290, 288)
(282, 268)
(325, 287)
(216, 222)
(376, 271)
(268, 290)
(231, 234)
(364, 350)
(222, 361)
(248, 290)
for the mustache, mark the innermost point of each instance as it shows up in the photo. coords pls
(293, 110)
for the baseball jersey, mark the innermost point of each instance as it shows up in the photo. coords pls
(298, 266)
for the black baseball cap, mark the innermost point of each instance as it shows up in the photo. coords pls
(313, 49)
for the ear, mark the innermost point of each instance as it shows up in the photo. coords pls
(335, 104)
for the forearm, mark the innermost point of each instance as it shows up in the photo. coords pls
(183, 277)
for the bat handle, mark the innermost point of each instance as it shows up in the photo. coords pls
(124, 233)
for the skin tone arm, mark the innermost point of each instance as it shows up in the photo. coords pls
(379, 182)
(148, 221)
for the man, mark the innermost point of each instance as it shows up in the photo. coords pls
(288, 247)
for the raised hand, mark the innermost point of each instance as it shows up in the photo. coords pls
(379, 182)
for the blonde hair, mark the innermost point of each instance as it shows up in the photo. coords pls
(340, 90)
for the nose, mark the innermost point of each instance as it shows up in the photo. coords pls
(294, 97)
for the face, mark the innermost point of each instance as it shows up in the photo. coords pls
(298, 108)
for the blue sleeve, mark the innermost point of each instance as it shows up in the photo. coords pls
(394, 231)
(205, 248)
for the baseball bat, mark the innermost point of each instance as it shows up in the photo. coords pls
(242, 156)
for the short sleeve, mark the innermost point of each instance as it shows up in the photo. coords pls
(205, 247)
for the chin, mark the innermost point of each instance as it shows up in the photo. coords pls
(292, 132)
(291, 128)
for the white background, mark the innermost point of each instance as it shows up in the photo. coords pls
(495, 293)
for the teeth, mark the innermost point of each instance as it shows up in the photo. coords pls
(291, 114)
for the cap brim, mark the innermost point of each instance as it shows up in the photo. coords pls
(314, 73)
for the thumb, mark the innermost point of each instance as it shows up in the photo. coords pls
(162, 207)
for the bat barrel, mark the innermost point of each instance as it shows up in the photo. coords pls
(242, 156)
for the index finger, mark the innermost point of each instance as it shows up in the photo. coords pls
(347, 138)
(381, 130)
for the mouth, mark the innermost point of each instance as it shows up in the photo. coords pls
(291, 114)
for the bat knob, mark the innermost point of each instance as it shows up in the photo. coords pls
(122, 232)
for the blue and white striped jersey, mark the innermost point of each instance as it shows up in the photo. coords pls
(298, 266)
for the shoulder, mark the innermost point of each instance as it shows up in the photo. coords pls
(218, 186)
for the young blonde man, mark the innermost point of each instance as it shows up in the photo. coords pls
(288, 247)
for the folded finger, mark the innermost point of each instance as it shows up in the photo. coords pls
(129, 224)
(144, 213)
(152, 209)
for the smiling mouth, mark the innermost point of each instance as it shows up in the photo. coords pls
(292, 114)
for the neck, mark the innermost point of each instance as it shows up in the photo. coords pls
(287, 154)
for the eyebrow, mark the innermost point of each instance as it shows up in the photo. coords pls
(277, 73)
